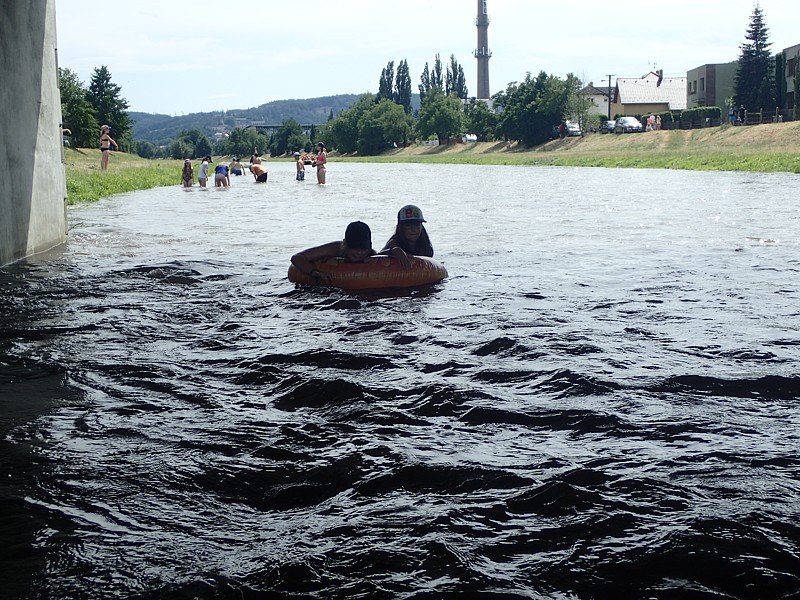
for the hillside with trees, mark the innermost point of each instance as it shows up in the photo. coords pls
(163, 129)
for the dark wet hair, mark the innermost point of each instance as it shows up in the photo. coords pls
(358, 236)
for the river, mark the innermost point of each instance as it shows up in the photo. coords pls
(601, 401)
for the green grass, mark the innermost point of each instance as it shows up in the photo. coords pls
(126, 173)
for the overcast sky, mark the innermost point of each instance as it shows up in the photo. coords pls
(183, 57)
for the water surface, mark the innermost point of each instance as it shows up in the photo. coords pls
(599, 402)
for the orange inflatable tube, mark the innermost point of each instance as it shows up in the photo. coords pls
(376, 272)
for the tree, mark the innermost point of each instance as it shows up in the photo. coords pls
(145, 149)
(243, 142)
(481, 121)
(430, 79)
(754, 86)
(342, 133)
(288, 138)
(180, 149)
(386, 83)
(202, 147)
(437, 79)
(424, 83)
(110, 107)
(77, 113)
(531, 108)
(381, 126)
(577, 105)
(402, 87)
(455, 82)
(440, 115)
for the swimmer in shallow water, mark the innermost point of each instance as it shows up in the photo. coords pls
(410, 237)
(355, 247)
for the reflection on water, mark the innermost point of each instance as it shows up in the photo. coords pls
(600, 402)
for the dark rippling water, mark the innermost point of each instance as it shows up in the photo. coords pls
(601, 401)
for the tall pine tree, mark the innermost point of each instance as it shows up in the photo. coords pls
(110, 107)
(754, 84)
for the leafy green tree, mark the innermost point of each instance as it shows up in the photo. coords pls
(288, 138)
(202, 147)
(242, 142)
(455, 82)
(110, 107)
(440, 115)
(145, 149)
(381, 126)
(77, 113)
(481, 121)
(577, 105)
(402, 87)
(385, 85)
(342, 133)
(530, 109)
(753, 84)
(180, 149)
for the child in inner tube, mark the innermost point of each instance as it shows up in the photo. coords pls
(355, 247)
(410, 237)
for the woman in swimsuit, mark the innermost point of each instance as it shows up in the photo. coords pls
(321, 161)
(105, 146)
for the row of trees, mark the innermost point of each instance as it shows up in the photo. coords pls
(524, 111)
(84, 109)
(240, 142)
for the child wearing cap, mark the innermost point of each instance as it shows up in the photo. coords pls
(355, 247)
(188, 173)
(301, 167)
(410, 237)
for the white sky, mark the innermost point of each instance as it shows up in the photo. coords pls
(183, 57)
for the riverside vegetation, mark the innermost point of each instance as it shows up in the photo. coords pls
(765, 148)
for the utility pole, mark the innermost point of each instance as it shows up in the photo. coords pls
(610, 97)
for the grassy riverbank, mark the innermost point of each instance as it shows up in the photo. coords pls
(768, 148)
(126, 173)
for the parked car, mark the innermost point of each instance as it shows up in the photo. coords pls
(574, 130)
(627, 125)
(607, 127)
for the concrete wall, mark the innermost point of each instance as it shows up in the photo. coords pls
(33, 187)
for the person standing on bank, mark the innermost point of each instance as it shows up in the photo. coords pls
(321, 161)
(105, 146)
(410, 237)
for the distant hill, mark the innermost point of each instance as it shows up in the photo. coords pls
(163, 129)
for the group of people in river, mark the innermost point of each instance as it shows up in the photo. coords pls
(410, 238)
(223, 170)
